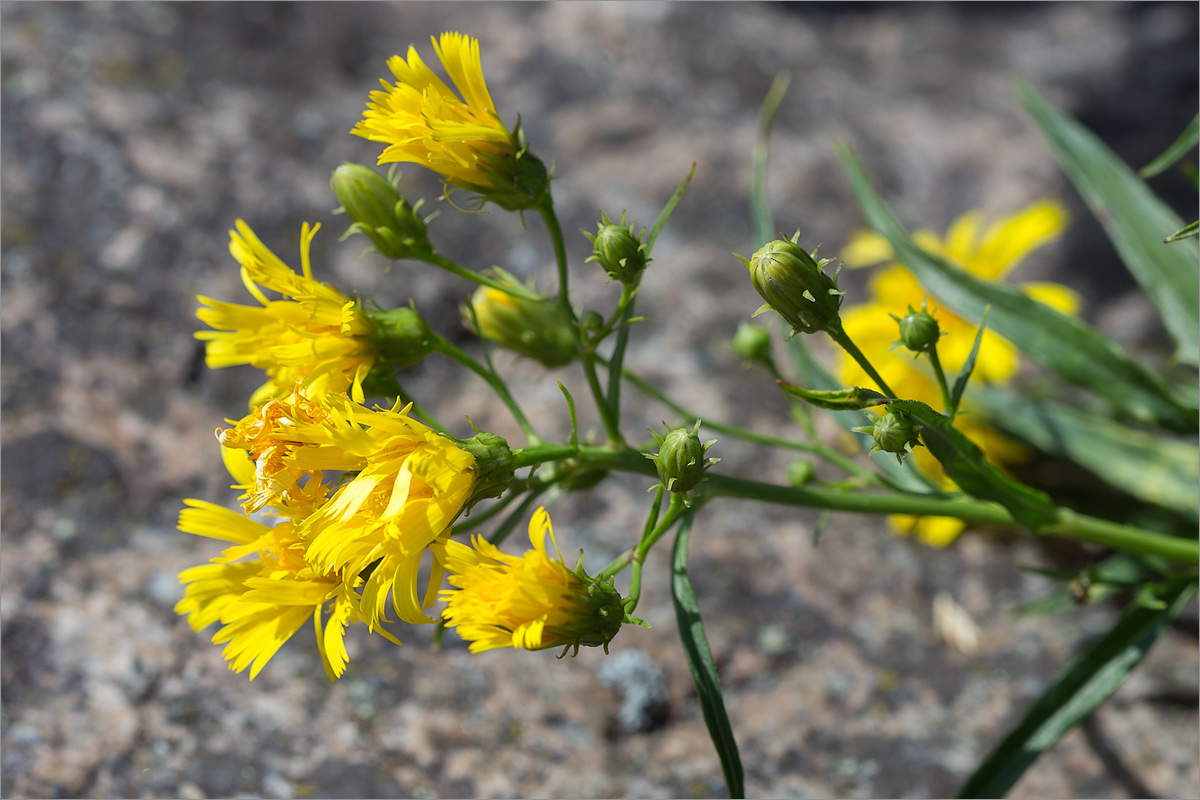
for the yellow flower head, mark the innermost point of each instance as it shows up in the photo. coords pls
(458, 135)
(533, 602)
(318, 336)
(987, 252)
(262, 601)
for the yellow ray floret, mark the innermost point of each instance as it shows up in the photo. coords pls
(533, 601)
(317, 336)
(260, 602)
(990, 253)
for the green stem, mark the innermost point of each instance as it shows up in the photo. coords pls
(587, 356)
(850, 347)
(441, 261)
(936, 363)
(746, 434)
(628, 298)
(443, 346)
(1069, 525)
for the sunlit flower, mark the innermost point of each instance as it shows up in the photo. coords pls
(317, 336)
(260, 602)
(989, 253)
(458, 135)
(533, 601)
(409, 483)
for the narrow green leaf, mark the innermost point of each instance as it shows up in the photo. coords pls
(1153, 468)
(573, 439)
(665, 214)
(1179, 148)
(760, 207)
(1078, 691)
(967, 466)
(700, 662)
(964, 375)
(1134, 219)
(838, 399)
(1077, 351)
(1092, 585)
(1186, 232)
(906, 477)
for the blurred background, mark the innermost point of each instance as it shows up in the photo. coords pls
(135, 134)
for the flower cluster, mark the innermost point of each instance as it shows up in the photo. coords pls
(991, 253)
(363, 499)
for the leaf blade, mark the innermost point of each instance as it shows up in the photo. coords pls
(700, 662)
(1078, 691)
(967, 466)
(1135, 220)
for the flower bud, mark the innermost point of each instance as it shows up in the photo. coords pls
(919, 331)
(792, 283)
(400, 337)
(528, 324)
(800, 472)
(680, 459)
(379, 211)
(617, 249)
(753, 343)
(893, 432)
(493, 466)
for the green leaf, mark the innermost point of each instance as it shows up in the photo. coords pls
(967, 466)
(838, 399)
(1135, 220)
(1077, 351)
(700, 662)
(906, 477)
(760, 207)
(1153, 468)
(964, 375)
(1178, 149)
(1092, 585)
(1078, 691)
(1186, 232)
(665, 214)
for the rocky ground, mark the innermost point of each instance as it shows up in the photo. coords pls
(134, 134)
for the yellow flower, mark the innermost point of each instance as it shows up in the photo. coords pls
(410, 485)
(989, 253)
(318, 337)
(533, 602)
(263, 601)
(423, 121)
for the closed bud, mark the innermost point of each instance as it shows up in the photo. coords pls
(800, 472)
(493, 466)
(792, 282)
(617, 249)
(523, 322)
(893, 432)
(919, 331)
(753, 343)
(379, 211)
(401, 337)
(680, 459)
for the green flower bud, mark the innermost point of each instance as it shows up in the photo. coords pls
(493, 466)
(680, 459)
(591, 321)
(401, 337)
(919, 331)
(753, 343)
(800, 472)
(525, 323)
(792, 283)
(617, 249)
(379, 211)
(894, 432)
